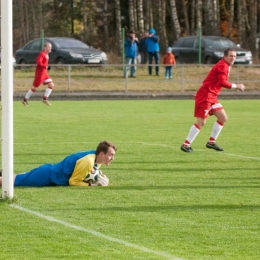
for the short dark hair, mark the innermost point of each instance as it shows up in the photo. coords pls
(46, 43)
(103, 146)
(228, 50)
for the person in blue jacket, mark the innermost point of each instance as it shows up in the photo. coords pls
(131, 52)
(153, 48)
(71, 171)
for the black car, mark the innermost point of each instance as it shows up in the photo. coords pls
(186, 49)
(64, 51)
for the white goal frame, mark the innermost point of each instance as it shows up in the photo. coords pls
(7, 97)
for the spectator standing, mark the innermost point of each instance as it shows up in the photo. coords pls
(131, 52)
(169, 61)
(142, 48)
(41, 76)
(153, 48)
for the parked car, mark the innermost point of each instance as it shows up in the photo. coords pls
(64, 51)
(13, 60)
(186, 49)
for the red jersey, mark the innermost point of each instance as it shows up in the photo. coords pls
(213, 83)
(41, 69)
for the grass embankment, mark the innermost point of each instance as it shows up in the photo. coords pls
(110, 78)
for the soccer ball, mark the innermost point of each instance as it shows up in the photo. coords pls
(92, 176)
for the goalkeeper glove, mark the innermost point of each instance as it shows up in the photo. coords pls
(102, 180)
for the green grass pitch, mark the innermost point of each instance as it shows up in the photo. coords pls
(161, 203)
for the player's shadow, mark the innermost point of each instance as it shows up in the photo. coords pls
(161, 208)
(178, 187)
(180, 169)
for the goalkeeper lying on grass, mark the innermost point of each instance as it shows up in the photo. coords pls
(79, 169)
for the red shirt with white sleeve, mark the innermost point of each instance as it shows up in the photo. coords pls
(216, 79)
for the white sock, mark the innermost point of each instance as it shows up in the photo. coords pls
(217, 127)
(47, 92)
(194, 131)
(28, 94)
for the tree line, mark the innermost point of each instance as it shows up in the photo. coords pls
(99, 23)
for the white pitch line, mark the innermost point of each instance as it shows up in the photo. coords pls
(97, 234)
(162, 145)
(224, 153)
(148, 144)
(242, 156)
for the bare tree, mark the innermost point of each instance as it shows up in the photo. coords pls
(85, 30)
(186, 18)
(162, 25)
(22, 22)
(253, 27)
(146, 14)
(131, 15)
(242, 22)
(140, 15)
(161, 16)
(199, 13)
(175, 19)
(231, 18)
(27, 23)
(94, 21)
(33, 23)
(216, 16)
(105, 24)
(150, 13)
(135, 15)
(40, 15)
(210, 17)
(118, 27)
(193, 17)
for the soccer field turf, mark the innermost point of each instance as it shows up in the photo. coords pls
(161, 203)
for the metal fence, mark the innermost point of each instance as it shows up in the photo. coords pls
(110, 78)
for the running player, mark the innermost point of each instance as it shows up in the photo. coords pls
(41, 76)
(206, 103)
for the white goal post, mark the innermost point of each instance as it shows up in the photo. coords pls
(7, 97)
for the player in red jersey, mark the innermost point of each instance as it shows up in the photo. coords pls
(206, 102)
(41, 75)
